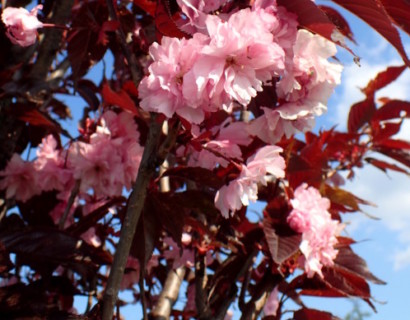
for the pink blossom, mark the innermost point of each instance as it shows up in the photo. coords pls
(20, 180)
(50, 166)
(244, 189)
(240, 57)
(272, 303)
(161, 90)
(22, 25)
(310, 217)
(110, 161)
(308, 82)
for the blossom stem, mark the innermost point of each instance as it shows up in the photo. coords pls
(70, 202)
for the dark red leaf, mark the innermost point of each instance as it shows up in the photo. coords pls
(165, 23)
(392, 109)
(120, 99)
(343, 198)
(282, 245)
(202, 176)
(399, 155)
(312, 18)
(88, 90)
(383, 165)
(374, 14)
(350, 261)
(360, 113)
(399, 11)
(394, 144)
(60, 109)
(347, 282)
(339, 21)
(382, 131)
(382, 79)
(312, 314)
(148, 6)
(108, 26)
(35, 118)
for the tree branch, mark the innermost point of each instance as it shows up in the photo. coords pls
(201, 297)
(169, 294)
(52, 39)
(135, 205)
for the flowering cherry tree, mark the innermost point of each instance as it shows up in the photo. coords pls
(156, 191)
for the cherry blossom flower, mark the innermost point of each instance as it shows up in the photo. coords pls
(161, 91)
(244, 189)
(307, 84)
(20, 180)
(22, 25)
(310, 217)
(50, 166)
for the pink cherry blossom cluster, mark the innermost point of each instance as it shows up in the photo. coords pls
(266, 161)
(105, 164)
(22, 25)
(229, 62)
(310, 216)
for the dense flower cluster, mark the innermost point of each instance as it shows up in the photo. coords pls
(310, 216)
(103, 165)
(229, 62)
(22, 25)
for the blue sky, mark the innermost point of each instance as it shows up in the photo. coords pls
(385, 243)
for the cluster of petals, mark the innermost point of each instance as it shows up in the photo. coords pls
(266, 162)
(106, 164)
(307, 84)
(310, 216)
(110, 160)
(229, 62)
(21, 25)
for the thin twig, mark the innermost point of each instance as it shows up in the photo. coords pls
(201, 297)
(70, 202)
(131, 59)
(142, 293)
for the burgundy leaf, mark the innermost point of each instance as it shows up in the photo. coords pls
(350, 261)
(148, 6)
(382, 131)
(282, 245)
(88, 90)
(35, 118)
(339, 21)
(383, 165)
(399, 155)
(374, 14)
(202, 176)
(399, 11)
(312, 314)
(165, 23)
(394, 144)
(360, 113)
(392, 109)
(120, 99)
(382, 79)
(313, 19)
